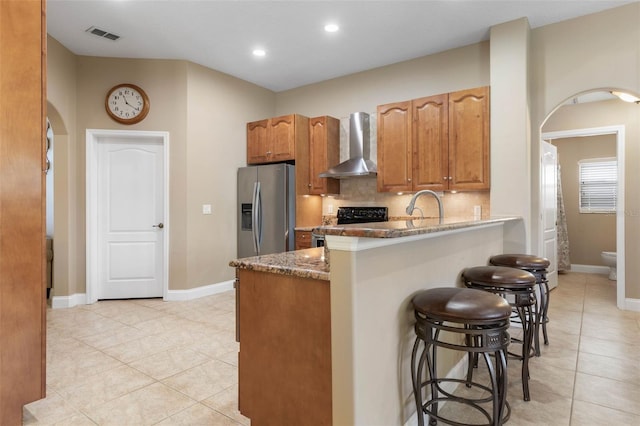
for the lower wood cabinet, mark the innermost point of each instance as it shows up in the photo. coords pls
(303, 240)
(284, 364)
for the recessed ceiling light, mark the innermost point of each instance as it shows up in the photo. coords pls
(331, 28)
(259, 52)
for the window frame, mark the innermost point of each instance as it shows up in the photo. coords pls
(599, 188)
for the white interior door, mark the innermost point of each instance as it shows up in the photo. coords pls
(549, 208)
(130, 210)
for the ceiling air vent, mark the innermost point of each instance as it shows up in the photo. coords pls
(102, 33)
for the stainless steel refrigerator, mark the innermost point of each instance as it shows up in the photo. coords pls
(266, 209)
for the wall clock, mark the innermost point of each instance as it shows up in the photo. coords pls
(127, 103)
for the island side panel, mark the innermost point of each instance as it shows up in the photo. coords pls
(372, 318)
(285, 349)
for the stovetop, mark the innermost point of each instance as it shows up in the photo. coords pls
(348, 215)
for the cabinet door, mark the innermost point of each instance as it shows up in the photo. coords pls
(303, 240)
(394, 147)
(257, 136)
(324, 152)
(430, 143)
(282, 131)
(469, 139)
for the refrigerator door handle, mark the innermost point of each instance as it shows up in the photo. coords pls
(254, 217)
(259, 215)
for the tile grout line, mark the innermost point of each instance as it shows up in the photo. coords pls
(575, 374)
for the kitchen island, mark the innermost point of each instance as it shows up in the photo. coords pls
(374, 270)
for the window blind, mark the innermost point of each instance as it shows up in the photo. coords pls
(598, 186)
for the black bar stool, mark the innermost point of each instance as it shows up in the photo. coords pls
(483, 319)
(518, 287)
(538, 267)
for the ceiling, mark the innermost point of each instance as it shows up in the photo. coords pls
(222, 34)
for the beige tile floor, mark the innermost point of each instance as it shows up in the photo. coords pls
(144, 362)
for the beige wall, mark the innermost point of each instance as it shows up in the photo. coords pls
(445, 72)
(218, 106)
(61, 109)
(589, 234)
(204, 112)
(510, 142)
(594, 51)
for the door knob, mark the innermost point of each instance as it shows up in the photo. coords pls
(160, 225)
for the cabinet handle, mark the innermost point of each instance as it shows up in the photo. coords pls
(268, 152)
(309, 185)
(409, 180)
(450, 178)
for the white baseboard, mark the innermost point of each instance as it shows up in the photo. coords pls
(459, 371)
(58, 302)
(632, 305)
(196, 293)
(590, 269)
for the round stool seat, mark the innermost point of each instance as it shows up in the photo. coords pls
(461, 305)
(499, 276)
(520, 261)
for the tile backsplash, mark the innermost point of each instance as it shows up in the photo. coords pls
(362, 191)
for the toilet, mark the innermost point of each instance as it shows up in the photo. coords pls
(609, 258)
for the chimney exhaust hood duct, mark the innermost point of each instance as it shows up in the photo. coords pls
(359, 162)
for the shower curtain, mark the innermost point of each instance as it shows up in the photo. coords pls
(564, 263)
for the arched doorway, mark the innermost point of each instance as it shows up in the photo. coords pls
(588, 114)
(58, 201)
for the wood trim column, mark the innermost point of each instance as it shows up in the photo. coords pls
(22, 210)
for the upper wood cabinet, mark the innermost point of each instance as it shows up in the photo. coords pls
(257, 142)
(439, 142)
(394, 147)
(324, 152)
(469, 139)
(274, 140)
(430, 143)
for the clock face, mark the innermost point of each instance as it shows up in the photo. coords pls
(127, 103)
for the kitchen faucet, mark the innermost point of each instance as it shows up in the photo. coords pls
(412, 203)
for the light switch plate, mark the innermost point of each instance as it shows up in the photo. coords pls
(330, 208)
(206, 209)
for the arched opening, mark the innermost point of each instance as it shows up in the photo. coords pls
(57, 210)
(585, 127)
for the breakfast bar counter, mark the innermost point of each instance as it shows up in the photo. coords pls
(329, 331)
(407, 228)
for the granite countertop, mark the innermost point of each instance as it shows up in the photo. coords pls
(309, 263)
(405, 228)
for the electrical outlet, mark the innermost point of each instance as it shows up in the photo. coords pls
(330, 208)
(206, 209)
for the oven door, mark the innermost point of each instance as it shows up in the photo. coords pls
(317, 240)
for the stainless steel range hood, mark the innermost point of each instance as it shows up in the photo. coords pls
(359, 162)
